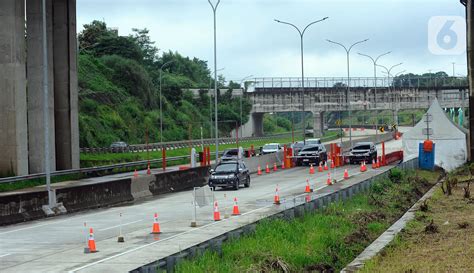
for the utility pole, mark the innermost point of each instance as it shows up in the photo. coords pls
(470, 71)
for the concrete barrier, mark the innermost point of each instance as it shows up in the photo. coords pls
(252, 163)
(16, 208)
(179, 180)
(95, 195)
(23, 206)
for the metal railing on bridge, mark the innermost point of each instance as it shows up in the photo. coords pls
(341, 82)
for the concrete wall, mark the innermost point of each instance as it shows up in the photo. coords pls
(13, 119)
(252, 163)
(26, 206)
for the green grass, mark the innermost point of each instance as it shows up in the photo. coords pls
(327, 239)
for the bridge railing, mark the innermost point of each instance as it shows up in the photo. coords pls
(382, 82)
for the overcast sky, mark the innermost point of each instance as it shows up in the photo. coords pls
(250, 43)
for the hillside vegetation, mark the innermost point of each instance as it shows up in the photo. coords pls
(119, 80)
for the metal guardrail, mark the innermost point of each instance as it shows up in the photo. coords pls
(104, 168)
(175, 144)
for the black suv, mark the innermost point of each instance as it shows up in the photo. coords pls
(230, 174)
(312, 154)
(362, 151)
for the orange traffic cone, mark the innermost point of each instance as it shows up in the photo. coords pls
(276, 198)
(217, 214)
(235, 211)
(311, 169)
(282, 165)
(135, 174)
(378, 163)
(374, 165)
(259, 170)
(156, 225)
(326, 166)
(362, 166)
(91, 243)
(346, 174)
(328, 181)
(267, 169)
(320, 168)
(275, 168)
(332, 164)
(308, 187)
(148, 170)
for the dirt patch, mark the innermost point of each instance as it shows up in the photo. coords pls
(363, 218)
(323, 268)
(431, 228)
(361, 235)
(274, 265)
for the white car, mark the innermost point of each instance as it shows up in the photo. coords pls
(271, 148)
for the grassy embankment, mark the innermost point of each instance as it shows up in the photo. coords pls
(90, 160)
(446, 245)
(325, 240)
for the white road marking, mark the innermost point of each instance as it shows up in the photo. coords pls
(4, 255)
(166, 239)
(129, 223)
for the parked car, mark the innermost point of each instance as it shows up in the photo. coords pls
(229, 174)
(297, 146)
(271, 148)
(312, 154)
(119, 144)
(230, 154)
(362, 151)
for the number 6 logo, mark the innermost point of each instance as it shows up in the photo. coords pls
(447, 35)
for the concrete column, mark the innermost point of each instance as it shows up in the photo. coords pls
(65, 84)
(257, 120)
(318, 124)
(13, 119)
(34, 42)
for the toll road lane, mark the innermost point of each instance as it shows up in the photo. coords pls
(56, 244)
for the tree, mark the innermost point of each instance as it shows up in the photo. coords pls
(148, 48)
(92, 33)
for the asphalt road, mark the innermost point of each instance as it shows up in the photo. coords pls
(56, 244)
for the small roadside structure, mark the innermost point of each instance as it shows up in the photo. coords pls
(449, 139)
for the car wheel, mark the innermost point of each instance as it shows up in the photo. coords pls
(247, 182)
(213, 188)
(236, 185)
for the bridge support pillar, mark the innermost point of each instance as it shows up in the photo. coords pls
(318, 124)
(257, 120)
(13, 118)
(34, 44)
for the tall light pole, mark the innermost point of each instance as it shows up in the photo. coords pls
(214, 9)
(241, 81)
(301, 33)
(388, 70)
(375, 72)
(348, 51)
(47, 163)
(161, 103)
(210, 101)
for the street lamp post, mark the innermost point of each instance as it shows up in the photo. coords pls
(210, 101)
(241, 102)
(214, 9)
(161, 103)
(388, 70)
(375, 72)
(348, 51)
(47, 159)
(301, 33)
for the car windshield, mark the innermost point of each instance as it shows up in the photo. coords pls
(311, 149)
(270, 147)
(232, 152)
(298, 144)
(314, 141)
(362, 147)
(226, 168)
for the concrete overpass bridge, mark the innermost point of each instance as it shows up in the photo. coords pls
(273, 95)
